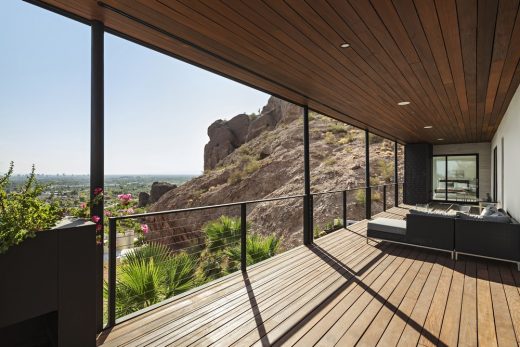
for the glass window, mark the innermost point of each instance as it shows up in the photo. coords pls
(455, 178)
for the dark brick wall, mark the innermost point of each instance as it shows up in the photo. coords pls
(417, 173)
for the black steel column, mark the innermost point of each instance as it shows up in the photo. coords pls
(344, 203)
(396, 175)
(97, 150)
(307, 211)
(243, 237)
(368, 190)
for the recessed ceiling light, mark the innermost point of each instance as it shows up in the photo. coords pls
(403, 103)
(428, 127)
(440, 139)
(345, 45)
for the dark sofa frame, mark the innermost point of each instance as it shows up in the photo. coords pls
(499, 241)
(485, 239)
(431, 232)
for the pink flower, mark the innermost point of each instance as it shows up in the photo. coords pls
(96, 219)
(107, 213)
(124, 198)
(98, 191)
(130, 211)
(83, 205)
(145, 228)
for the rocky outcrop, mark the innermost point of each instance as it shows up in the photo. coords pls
(159, 189)
(144, 199)
(226, 136)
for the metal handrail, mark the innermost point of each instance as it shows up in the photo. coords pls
(207, 207)
(243, 218)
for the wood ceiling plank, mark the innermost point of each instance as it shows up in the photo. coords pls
(391, 20)
(311, 40)
(447, 13)
(327, 92)
(508, 73)
(415, 30)
(419, 95)
(507, 11)
(430, 23)
(487, 15)
(306, 48)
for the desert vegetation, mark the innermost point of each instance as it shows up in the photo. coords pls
(152, 272)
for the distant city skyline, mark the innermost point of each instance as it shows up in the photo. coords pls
(157, 109)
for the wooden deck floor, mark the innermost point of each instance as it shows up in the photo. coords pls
(343, 292)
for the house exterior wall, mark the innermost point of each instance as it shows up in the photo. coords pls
(507, 141)
(483, 149)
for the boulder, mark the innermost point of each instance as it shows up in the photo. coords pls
(144, 199)
(224, 138)
(159, 189)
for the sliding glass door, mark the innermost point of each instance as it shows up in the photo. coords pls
(455, 178)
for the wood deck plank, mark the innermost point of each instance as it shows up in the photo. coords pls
(468, 316)
(504, 325)
(398, 322)
(486, 322)
(513, 299)
(432, 325)
(342, 291)
(378, 325)
(449, 334)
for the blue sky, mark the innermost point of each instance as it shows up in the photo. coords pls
(157, 109)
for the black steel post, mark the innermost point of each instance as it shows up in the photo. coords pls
(112, 237)
(307, 209)
(396, 175)
(368, 190)
(384, 197)
(97, 151)
(243, 236)
(344, 209)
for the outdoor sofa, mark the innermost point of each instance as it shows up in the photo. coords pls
(496, 237)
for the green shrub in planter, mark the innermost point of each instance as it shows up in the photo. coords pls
(23, 212)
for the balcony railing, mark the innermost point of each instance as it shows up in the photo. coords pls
(178, 239)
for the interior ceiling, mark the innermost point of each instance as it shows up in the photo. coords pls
(456, 62)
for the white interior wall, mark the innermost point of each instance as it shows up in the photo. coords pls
(507, 140)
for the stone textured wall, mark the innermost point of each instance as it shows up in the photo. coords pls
(417, 173)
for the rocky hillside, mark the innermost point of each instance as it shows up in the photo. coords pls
(259, 156)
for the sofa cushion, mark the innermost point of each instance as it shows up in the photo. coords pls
(442, 214)
(497, 217)
(388, 225)
(488, 211)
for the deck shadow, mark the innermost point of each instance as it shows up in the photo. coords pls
(350, 275)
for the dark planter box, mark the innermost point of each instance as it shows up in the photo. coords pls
(52, 274)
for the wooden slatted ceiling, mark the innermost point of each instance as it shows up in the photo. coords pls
(456, 61)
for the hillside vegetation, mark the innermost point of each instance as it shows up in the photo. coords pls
(261, 156)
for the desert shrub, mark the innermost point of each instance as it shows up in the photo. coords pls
(329, 138)
(348, 138)
(151, 274)
(360, 197)
(330, 161)
(252, 166)
(222, 232)
(235, 177)
(23, 212)
(258, 248)
(376, 196)
(338, 128)
(385, 170)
